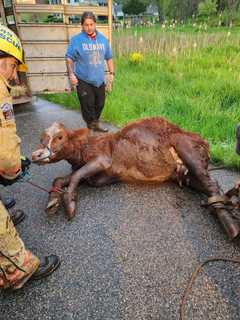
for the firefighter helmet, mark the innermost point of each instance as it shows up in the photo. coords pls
(11, 45)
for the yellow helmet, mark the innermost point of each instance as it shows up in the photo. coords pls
(10, 44)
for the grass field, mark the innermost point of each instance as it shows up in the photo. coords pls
(192, 78)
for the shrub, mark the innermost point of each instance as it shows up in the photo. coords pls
(207, 8)
(136, 58)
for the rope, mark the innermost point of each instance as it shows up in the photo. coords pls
(23, 178)
(193, 278)
(37, 186)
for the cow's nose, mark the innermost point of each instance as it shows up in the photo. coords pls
(36, 155)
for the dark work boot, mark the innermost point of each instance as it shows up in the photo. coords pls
(95, 126)
(17, 216)
(47, 266)
(8, 202)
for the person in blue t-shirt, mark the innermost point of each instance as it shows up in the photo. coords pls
(85, 58)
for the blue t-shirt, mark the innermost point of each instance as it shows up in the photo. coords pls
(88, 56)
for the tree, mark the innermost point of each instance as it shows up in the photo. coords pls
(221, 5)
(182, 9)
(161, 5)
(233, 5)
(207, 7)
(179, 9)
(134, 7)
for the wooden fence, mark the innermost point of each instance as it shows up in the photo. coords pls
(45, 44)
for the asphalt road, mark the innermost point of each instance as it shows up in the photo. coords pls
(130, 250)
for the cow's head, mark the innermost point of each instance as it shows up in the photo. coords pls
(53, 143)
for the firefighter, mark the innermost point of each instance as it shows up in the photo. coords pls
(17, 264)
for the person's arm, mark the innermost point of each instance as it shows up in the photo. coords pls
(70, 63)
(70, 67)
(110, 75)
(110, 66)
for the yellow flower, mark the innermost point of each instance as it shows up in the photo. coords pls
(136, 58)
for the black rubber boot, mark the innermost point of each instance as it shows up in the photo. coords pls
(8, 202)
(47, 266)
(17, 216)
(96, 126)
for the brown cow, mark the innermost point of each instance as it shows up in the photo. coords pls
(151, 150)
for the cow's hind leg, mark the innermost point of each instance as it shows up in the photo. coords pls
(55, 194)
(195, 158)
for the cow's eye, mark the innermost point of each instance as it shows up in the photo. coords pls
(60, 138)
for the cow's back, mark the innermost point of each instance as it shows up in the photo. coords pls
(141, 151)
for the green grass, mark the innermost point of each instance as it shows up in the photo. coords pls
(196, 88)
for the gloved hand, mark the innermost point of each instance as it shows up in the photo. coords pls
(25, 164)
(109, 82)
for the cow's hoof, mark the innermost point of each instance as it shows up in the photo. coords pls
(52, 206)
(229, 224)
(70, 205)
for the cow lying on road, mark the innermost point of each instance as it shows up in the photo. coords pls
(151, 150)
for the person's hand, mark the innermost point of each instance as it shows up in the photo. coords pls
(25, 164)
(73, 79)
(109, 82)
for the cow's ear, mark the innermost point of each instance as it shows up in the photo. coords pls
(61, 126)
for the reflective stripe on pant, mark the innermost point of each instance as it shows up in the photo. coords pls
(14, 257)
(10, 162)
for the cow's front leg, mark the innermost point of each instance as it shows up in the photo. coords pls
(88, 170)
(55, 194)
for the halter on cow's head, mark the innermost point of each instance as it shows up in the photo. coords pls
(52, 143)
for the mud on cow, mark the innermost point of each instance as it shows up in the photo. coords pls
(150, 150)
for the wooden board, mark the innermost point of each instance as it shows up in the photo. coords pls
(45, 45)
(59, 32)
(43, 32)
(21, 100)
(43, 49)
(46, 65)
(49, 82)
(64, 9)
